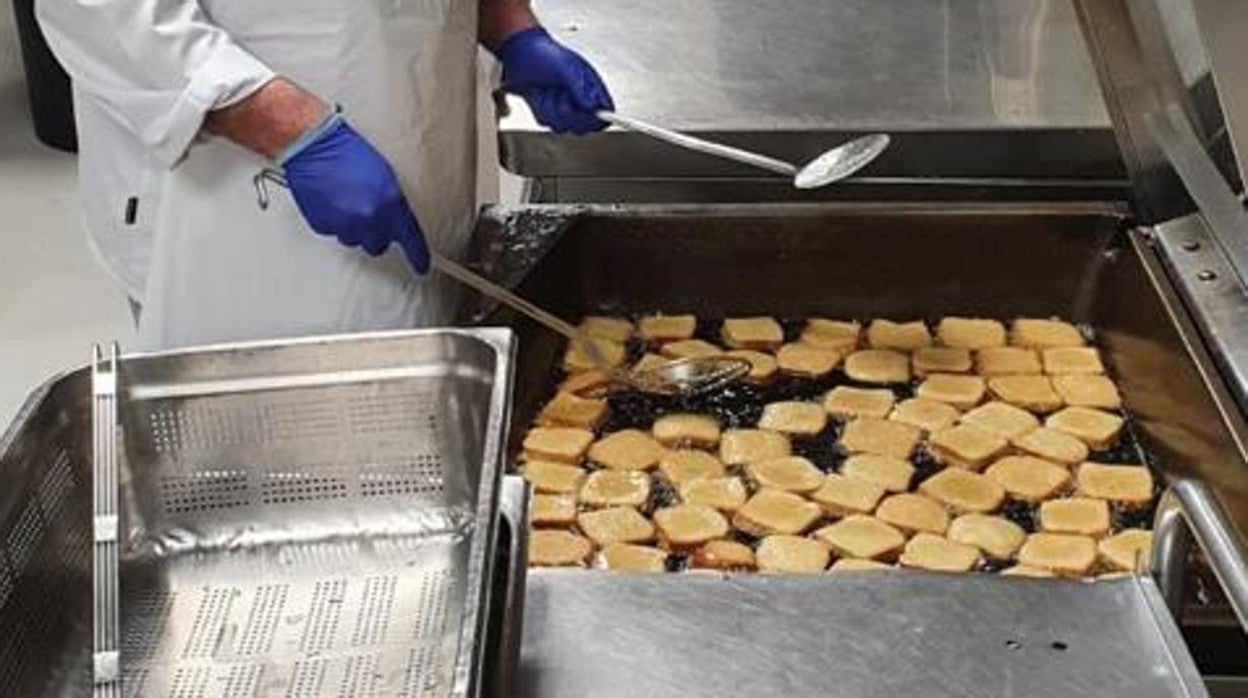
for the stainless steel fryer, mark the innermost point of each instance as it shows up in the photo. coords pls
(707, 635)
(305, 518)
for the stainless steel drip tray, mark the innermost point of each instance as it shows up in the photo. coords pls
(847, 634)
(345, 618)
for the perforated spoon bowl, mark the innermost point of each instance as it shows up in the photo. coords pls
(829, 168)
(679, 377)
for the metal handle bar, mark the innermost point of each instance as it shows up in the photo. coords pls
(1189, 510)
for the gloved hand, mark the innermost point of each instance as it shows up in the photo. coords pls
(561, 87)
(344, 188)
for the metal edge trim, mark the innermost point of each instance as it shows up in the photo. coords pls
(471, 649)
(1172, 640)
(1112, 209)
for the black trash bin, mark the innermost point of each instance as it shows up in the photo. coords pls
(47, 85)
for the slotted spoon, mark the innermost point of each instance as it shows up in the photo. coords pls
(678, 377)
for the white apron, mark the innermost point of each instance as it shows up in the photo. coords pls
(215, 267)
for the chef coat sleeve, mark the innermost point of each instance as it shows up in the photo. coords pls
(158, 66)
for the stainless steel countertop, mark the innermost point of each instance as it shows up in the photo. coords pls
(899, 633)
(744, 69)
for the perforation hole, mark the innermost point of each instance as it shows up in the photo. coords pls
(374, 616)
(6, 582)
(307, 678)
(266, 609)
(205, 491)
(148, 615)
(326, 607)
(24, 536)
(243, 681)
(420, 476)
(360, 677)
(431, 607)
(420, 678)
(290, 488)
(190, 682)
(55, 487)
(210, 618)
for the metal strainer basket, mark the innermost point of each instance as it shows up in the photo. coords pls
(306, 518)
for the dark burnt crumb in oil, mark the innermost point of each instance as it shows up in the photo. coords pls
(1124, 517)
(662, 494)
(822, 449)
(677, 562)
(736, 535)
(634, 349)
(793, 328)
(991, 566)
(709, 330)
(1021, 513)
(925, 465)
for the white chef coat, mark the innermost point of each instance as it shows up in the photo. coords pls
(173, 213)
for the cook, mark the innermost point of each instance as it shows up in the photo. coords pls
(368, 107)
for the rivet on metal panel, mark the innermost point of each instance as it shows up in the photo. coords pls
(1207, 275)
(1191, 245)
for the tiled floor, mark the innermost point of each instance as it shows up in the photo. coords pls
(54, 299)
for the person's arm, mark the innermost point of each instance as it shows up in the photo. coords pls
(168, 73)
(269, 120)
(561, 87)
(158, 66)
(499, 19)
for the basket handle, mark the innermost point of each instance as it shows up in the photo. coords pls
(106, 653)
(1190, 510)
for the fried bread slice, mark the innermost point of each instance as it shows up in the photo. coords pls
(847, 402)
(793, 554)
(997, 537)
(931, 552)
(741, 446)
(803, 418)
(1029, 479)
(913, 513)
(615, 525)
(772, 511)
(761, 333)
(790, 474)
(841, 495)
(903, 336)
(687, 525)
(928, 415)
(558, 548)
(893, 474)
(629, 449)
(966, 446)
(963, 392)
(658, 329)
(1081, 515)
(970, 333)
(860, 536)
(698, 430)
(878, 366)
(964, 491)
(881, 437)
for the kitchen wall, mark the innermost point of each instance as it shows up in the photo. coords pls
(54, 299)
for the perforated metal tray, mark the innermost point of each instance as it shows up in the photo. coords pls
(308, 518)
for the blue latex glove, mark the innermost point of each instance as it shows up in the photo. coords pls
(561, 87)
(345, 189)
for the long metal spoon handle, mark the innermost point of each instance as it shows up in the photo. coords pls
(470, 278)
(474, 280)
(684, 140)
